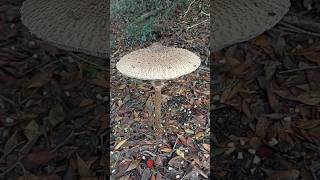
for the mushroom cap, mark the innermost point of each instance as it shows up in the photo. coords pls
(76, 25)
(234, 21)
(158, 62)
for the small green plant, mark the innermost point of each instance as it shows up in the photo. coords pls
(140, 17)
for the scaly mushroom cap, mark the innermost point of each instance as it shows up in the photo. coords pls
(234, 21)
(77, 25)
(158, 62)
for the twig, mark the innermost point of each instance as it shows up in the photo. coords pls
(13, 52)
(8, 100)
(147, 15)
(203, 68)
(302, 21)
(7, 153)
(116, 52)
(189, 7)
(24, 150)
(291, 28)
(300, 69)
(9, 168)
(98, 66)
(150, 153)
(175, 144)
(205, 13)
(70, 136)
(197, 24)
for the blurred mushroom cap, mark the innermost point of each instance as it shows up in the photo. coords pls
(234, 21)
(158, 62)
(76, 25)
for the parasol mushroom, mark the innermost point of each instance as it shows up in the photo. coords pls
(234, 21)
(76, 25)
(158, 63)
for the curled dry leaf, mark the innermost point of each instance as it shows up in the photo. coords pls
(199, 135)
(166, 150)
(120, 144)
(86, 102)
(31, 130)
(206, 147)
(190, 142)
(180, 153)
(40, 80)
(134, 164)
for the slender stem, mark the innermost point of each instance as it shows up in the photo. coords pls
(157, 118)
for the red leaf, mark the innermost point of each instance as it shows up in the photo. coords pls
(150, 163)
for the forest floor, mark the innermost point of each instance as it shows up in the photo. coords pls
(265, 114)
(184, 154)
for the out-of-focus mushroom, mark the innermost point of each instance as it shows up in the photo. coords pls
(234, 21)
(158, 63)
(76, 25)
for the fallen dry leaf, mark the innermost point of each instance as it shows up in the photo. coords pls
(83, 168)
(120, 144)
(291, 174)
(206, 147)
(134, 164)
(31, 130)
(180, 153)
(40, 158)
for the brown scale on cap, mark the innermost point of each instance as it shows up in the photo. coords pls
(158, 62)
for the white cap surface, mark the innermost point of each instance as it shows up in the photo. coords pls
(234, 21)
(158, 62)
(77, 25)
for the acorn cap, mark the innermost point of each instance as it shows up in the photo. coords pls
(158, 62)
(76, 25)
(234, 21)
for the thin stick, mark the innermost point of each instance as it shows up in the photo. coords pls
(292, 28)
(197, 24)
(189, 7)
(67, 139)
(97, 66)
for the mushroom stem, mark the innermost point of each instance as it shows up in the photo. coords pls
(157, 118)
